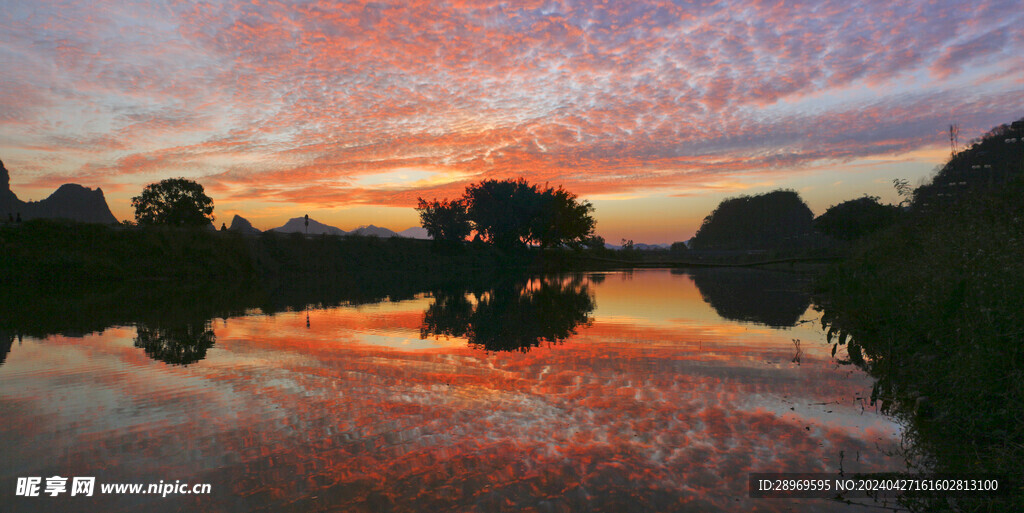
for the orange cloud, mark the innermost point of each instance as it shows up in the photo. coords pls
(292, 102)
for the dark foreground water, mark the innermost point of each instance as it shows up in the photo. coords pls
(642, 391)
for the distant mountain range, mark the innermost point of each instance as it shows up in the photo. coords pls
(374, 231)
(640, 246)
(298, 225)
(69, 201)
(647, 247)
(78, 203)
(416, 232)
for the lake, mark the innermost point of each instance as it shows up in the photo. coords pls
(650, 390)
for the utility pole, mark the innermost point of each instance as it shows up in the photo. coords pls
(954, 136)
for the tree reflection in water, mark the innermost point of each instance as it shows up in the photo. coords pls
(514, 315)
(772, 298)
(6, 341)
(180, 343)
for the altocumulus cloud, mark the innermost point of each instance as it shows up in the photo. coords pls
(300, 101)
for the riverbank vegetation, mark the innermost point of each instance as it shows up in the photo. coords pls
(45, 258)
(61, 255)
(61, 276)
(933, 307)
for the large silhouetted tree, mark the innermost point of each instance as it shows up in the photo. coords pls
(562, 219)
(511, 213)
(503, 211)
(174, 201)
(444, 220)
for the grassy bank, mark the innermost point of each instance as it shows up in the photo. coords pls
(934, 308)
(64, 277)
(59, 255)
(138, 271)
(66, 256)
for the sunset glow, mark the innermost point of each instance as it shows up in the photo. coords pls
(653, 110)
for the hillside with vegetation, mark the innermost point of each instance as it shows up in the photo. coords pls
(778, 219)
(989, 162)
(857, 218)
(933, 307)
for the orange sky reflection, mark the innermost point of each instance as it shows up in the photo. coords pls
(657, 415)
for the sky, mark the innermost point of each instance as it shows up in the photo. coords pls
(654, 111)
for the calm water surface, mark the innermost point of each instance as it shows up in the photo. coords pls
(634, 391)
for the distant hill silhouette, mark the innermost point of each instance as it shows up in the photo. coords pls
(374, 231)
(416, 232)
(650, 247)
(7, 197)
(640, 246)
(776, 220)
(69, 201)
(297, 225)
(241, 224)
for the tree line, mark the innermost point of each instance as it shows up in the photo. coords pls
(781, 220)
(507, 213)
(513, 213)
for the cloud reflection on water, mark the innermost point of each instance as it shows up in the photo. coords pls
(282, 417)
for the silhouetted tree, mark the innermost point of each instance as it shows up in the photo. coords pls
(444, 220)
(903, 190)
(503, 211)
(774, 220)
(510, 213)
(562, 219)
(594, 242)
(174, 201)
(856, 218)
